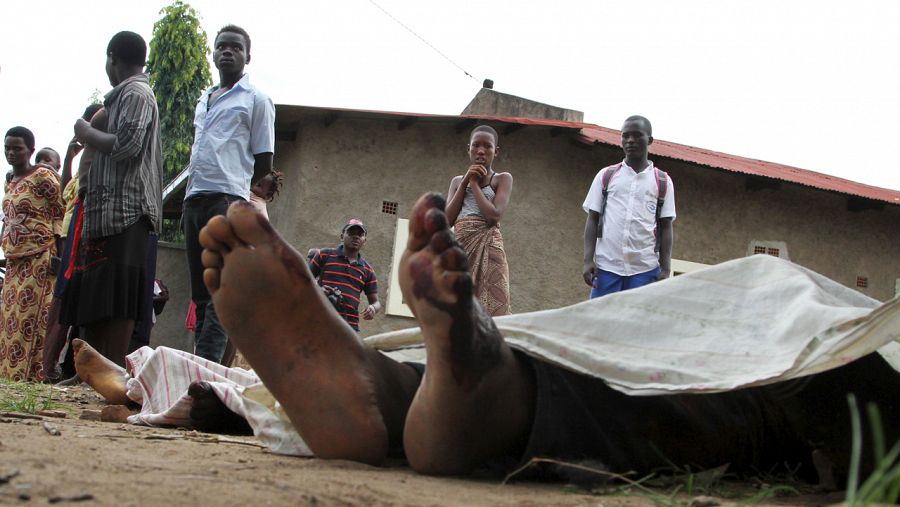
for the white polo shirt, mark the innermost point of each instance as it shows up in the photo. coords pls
(239, 125)
(628, 243)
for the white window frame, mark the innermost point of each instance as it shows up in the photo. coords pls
(395, 305)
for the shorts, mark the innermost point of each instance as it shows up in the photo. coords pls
(109, 280)
(607, 282)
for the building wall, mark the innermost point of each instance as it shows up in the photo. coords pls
(349, 168)
(493, 103)
(171, 268)
(718, 218)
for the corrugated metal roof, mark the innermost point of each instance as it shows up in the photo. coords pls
(755, 167)
(589, 133)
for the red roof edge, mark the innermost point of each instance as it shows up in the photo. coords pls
(734, 163)
(590, 134)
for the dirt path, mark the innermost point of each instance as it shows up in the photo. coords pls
(98, 463)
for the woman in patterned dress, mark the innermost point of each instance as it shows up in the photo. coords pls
(475, 204)
(33, 212)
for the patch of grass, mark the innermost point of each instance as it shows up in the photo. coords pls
(27, 397)
(883, 485)
(678, 486)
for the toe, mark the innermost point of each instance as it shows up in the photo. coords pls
(217, 235)
(249, 225)
(212, 278)
(211, 259)
(420, 218)
(435, 221)
(454, 259)
(441, 241)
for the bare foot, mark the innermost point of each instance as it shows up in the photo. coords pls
(210, 415)
(106, 377)
(475, 401)
(307, 356)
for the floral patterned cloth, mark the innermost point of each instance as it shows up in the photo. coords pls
(33, 211)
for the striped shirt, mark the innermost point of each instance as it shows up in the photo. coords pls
(352, 278)
(126, 184)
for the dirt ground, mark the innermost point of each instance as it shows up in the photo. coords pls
(70, 459)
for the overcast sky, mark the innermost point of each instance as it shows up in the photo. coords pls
(813, 84)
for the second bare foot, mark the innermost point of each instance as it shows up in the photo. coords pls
(106, 377)
(475, 401)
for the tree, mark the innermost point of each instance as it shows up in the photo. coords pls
(179, 72)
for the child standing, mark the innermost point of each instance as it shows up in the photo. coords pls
(476, 202)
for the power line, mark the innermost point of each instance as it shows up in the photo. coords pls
(410, 30)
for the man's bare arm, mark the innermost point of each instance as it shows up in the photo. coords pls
(262, 166)
(666, 238)
(590, 245)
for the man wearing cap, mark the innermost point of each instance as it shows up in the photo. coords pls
(344, 275)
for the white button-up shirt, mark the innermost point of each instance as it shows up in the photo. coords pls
(239, 125)
(629, 223)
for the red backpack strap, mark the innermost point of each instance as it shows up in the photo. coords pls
(662, 184)
(608, 176)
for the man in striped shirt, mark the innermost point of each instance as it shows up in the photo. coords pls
(344, 275)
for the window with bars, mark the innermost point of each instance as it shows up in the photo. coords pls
(774, 248)
(862, 282)
(389, 207)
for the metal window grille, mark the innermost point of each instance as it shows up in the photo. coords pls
(862, 282)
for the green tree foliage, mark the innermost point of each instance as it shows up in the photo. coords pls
(96, 97)
(179, 72)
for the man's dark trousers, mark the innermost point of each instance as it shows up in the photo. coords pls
(209, 336)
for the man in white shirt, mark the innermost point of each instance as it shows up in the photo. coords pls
(631, 207)
(234, 144)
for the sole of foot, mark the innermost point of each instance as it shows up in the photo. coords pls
(308, 357)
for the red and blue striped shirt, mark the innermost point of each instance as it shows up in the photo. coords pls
(352, 278)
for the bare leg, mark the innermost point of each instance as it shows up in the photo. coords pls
(476, 399)
(106, 377)
(346, 400)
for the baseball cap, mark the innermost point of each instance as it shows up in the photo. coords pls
(355, 222)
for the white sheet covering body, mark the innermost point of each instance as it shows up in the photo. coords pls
(160, 383)
(746, 322)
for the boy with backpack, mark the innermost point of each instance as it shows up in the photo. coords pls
(631, 207)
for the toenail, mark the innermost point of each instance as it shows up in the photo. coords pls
(436, 200)
(436, 219)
